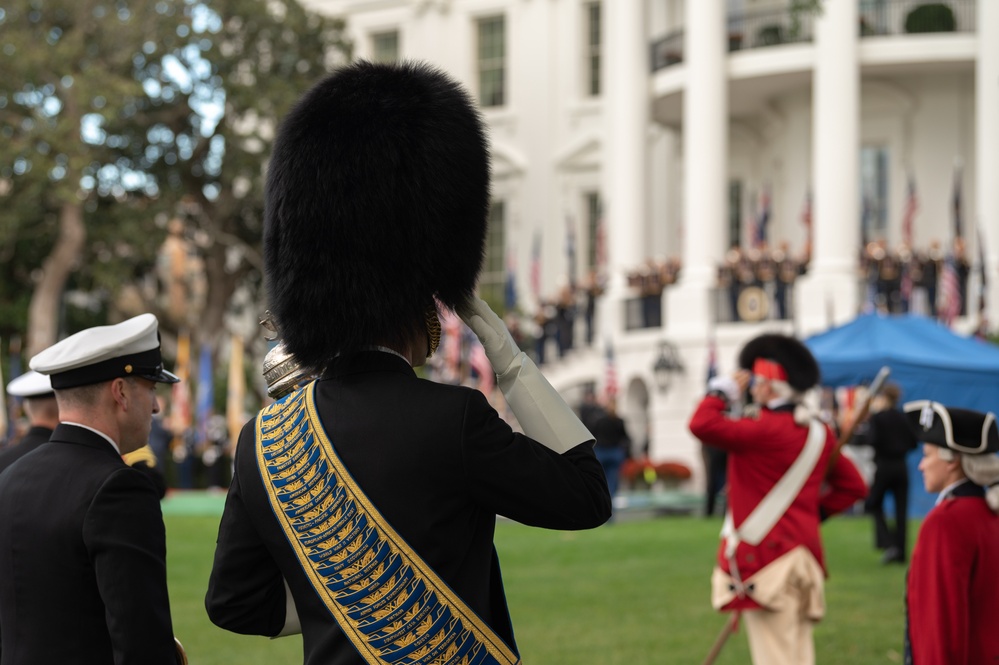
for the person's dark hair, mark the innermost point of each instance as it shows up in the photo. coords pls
(376, 206)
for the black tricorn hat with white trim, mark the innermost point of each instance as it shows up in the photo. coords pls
(377, 206)
(127, 349)
(961, 430)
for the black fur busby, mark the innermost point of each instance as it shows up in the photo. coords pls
(961, 430)
(376, 206)
(798, 362)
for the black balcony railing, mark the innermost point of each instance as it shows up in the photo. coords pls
(760, 29)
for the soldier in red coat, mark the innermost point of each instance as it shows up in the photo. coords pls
(784, 477)
(952, 593)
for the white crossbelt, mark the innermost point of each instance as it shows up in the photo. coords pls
(776, 502)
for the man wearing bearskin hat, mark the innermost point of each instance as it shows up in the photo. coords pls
(784, 477)
(952, 591)
(363, 504)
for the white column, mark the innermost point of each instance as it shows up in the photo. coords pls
(625, 75)
(705, 167)
(987, 148)
(828, 295)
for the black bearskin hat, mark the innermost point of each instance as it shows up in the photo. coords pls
(794, 357)
(376, 205)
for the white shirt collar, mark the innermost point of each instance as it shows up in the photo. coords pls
(106, 437)
(385, 349)
(946, 492)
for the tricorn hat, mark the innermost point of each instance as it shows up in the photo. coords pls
(781, 357)
(377, 204)
(961, 430)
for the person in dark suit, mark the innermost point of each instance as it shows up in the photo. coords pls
(366, 498)
(888, 432)
(42, 411)
(82, 541)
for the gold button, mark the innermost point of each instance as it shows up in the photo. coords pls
(128, 369)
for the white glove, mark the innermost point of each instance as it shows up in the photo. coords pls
(540, 410)
(726, 385)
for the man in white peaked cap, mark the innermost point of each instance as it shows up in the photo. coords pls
(43, 414)
(82, 540)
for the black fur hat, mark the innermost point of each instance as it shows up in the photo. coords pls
(377, 204)
(794, 357)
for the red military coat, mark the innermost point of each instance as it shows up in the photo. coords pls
(760, 450)
(952, 596)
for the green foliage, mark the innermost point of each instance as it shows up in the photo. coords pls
(931, 17)
(770, 35)
(140, 111)
(629, 593)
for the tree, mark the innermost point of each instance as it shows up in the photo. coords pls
(116, 113)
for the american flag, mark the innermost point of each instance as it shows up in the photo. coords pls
(911, 205)
(760, 225)
(610, 378)
(950, 292)
(536, 266)
(982, 279)
(956, 203)
(712, 359)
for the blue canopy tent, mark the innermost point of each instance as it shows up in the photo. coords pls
(927, 361)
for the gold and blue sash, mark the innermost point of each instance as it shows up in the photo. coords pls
(390, 604)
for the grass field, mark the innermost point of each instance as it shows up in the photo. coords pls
(629, 593)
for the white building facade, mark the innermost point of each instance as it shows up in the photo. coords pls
(629, 133)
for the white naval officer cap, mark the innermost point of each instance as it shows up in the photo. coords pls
(102, 353)
(31, 384)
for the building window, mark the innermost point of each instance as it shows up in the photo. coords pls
(492, 280)
(734, 213)
(385, 46)
(873, 193)
(594, 241)
(491, 57)
(593, 49)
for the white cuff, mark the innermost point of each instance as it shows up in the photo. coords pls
(726, 385)
(540, 410)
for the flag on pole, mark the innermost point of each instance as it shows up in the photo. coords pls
(762, 220)
(206, 391)
(570, 249)
(949, 306)
(536, 266)
(610, 376)
(909, 214)
(510, 284)
(180, 393)
(982, 273)
(911, 205)
(956, 203)
(712, 359)
(236, 390)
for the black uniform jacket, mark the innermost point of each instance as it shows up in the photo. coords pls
(438, 463)
(33, 438)
(82, 558)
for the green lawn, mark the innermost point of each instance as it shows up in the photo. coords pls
(630, 593)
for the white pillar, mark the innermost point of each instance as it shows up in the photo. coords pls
(705, 167)
(625, 76)
(987, 148)
(828, 295)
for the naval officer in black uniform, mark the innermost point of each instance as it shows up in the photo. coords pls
(377, 204)
(42, 411)
(82, 541)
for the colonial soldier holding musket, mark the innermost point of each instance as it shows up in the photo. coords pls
(363, 503)
(784, 477)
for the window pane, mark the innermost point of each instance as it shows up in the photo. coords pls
(491, 61)
(493, 277)
(873, 193)
(593, 239)
(593, 48)
(385, 46)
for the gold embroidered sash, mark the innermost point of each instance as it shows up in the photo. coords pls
(391, 605)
